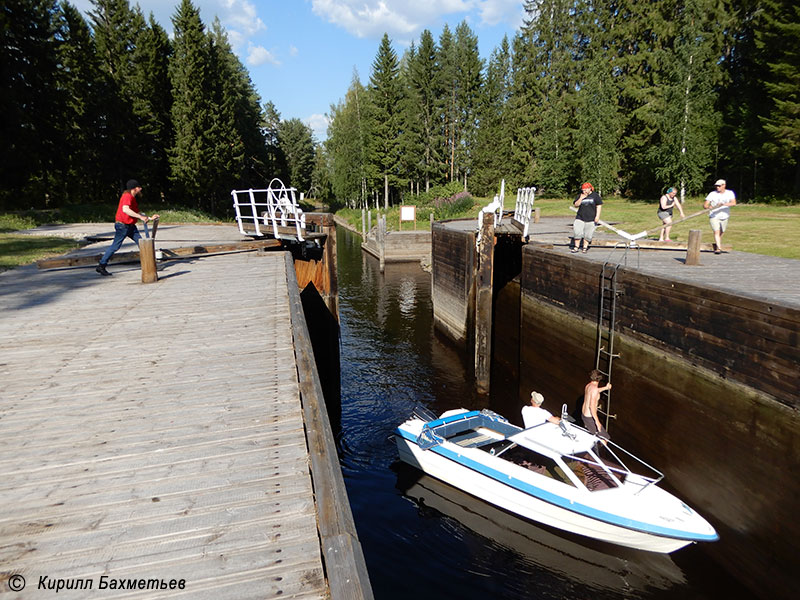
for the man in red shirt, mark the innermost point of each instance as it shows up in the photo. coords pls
(125, 225)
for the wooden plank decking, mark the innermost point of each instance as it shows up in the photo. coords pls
(155, 432)
(754, 276)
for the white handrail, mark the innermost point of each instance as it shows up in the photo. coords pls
(524, 207)
(278, 206)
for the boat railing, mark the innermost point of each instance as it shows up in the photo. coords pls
(609, 446)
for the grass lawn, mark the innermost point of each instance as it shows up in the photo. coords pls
(757, 228)
(17, 249)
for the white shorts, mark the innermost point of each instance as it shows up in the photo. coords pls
(718, 224)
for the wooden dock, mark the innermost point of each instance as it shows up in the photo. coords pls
(153, 435)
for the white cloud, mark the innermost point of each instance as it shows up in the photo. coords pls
(319, 125)
(258, 55)
(498, 11)
(371, 18)
(293, 50)
(241, 16)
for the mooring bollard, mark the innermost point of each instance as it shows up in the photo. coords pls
(147, 257)
(693, 247)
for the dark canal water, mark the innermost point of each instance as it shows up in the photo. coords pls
(423, 539)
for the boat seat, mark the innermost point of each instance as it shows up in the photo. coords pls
(471, 439)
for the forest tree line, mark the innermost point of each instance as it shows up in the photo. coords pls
(88, 104)
(633, 95)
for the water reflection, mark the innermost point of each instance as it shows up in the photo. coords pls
(596, 565)
(422, 538)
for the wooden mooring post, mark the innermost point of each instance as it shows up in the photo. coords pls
(147, 257)
(381, 238)
(693, 247)
(483, 305)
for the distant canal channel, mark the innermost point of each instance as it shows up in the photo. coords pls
(424, 539)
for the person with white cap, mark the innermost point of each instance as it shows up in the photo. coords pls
(533, 414)
(719, 201)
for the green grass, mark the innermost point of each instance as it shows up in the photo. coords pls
(758, 228)
(17, 250)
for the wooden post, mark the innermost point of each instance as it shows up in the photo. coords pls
(483, 305)
(369, 221)
(536, 212)
(693, 247)
(382, 241)
(147, 257)
(363, 225)
(431, 221)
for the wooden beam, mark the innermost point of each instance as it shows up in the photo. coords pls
(345, 565)
(61, 262)
(483, 305)
(653, 245)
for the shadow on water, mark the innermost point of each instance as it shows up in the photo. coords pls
(425, 539)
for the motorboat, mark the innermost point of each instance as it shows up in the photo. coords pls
(558, 474)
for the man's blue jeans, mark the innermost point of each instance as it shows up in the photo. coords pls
(121, 231)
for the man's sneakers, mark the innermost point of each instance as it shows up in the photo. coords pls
(102, 270)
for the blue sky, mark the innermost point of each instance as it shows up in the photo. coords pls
(301, 54)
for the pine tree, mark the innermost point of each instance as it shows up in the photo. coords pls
(274, 160)
(411, 143)
(780, 35)
(385, 116)
(598, 120)
(296, 141)
(116, 31)
(494, 137)
(740, 104)
(31, 103)
(84, 120)
(192, 154)
(224, 138)
(469, 81)
(346, 145)
(321, 186)
(423, 84)
(447, 87)
(544, 90)
(687, 128)
(152, 104)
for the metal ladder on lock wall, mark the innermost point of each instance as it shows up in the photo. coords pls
(604, 356)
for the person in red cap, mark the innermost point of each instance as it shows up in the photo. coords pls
(125, 225)
(589, 205)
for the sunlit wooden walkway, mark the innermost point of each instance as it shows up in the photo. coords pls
(155, 432)
(755, 276)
